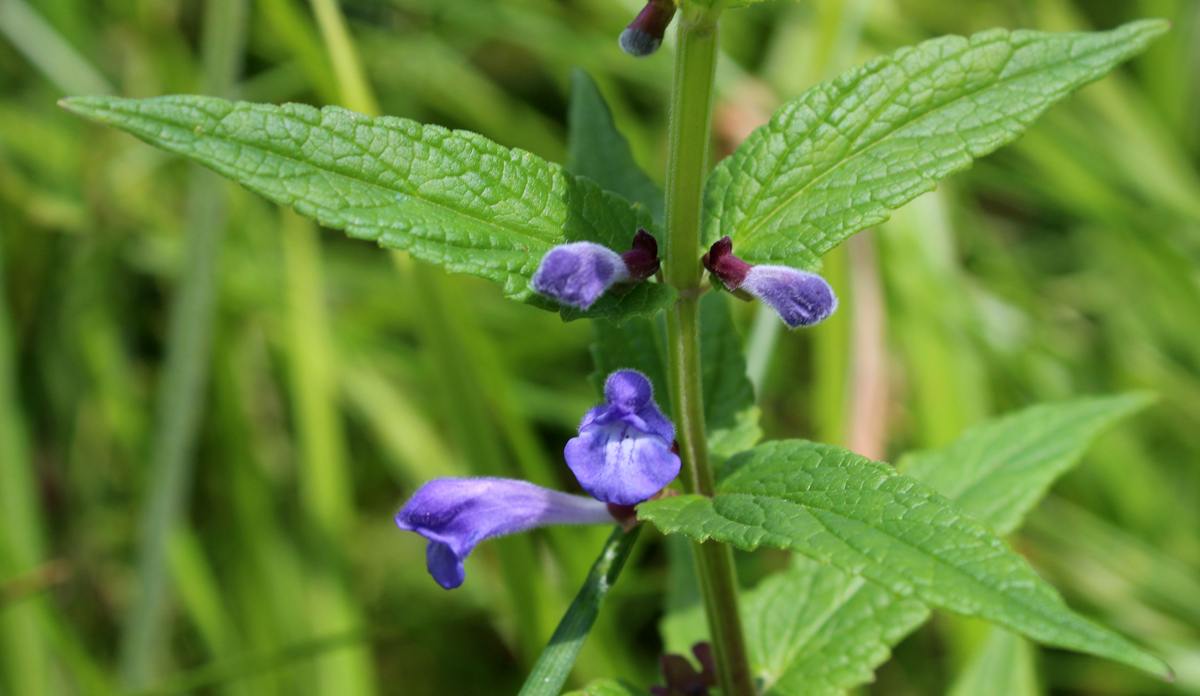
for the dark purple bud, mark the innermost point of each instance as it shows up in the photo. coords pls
(455, 514)
(682, 678)
(708, 666)
(645, 33)
(623, 452)
(801, 298)
(642, 259)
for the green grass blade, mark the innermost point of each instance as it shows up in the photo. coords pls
(185, 374)
(553, 667)
(49, 51)
(23, 647)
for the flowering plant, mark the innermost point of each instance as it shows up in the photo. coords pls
(889, 545)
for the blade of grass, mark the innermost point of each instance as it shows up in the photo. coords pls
(48, 52)
(551, 670)
(22, 534)
(325, 486)
(185, 374)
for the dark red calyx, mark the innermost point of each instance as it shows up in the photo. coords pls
(642, 258)
(721, 262)
(682, 678)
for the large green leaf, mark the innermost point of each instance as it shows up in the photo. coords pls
(452, 198)
(811, 635)
(866, 519)
(1000, 469)
(813, 630)
(841, 156)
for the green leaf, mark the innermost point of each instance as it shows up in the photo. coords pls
(730, 413)
(1003, 667)
(608, 687)
(1057, 436)
(813, 630)
(731, 416)
(841, 156)
(597, 150)
(1000, 469)
(452, 198)
(866, 519)
(553, 666)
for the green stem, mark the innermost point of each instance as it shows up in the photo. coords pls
(687, 166)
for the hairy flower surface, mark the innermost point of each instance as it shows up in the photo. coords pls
(455, 514)
(623, 452)
(578, 273)
(801, 298)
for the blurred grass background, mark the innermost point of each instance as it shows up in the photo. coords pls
(210, 410)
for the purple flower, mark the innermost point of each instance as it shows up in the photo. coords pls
(622, 457)
(645, 33)
(455, 514)
(800, 298)
(623, 452)
(578, 273)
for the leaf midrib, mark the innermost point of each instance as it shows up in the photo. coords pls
(940, 563)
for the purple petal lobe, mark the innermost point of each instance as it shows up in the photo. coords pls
(801, 298)
(623, 452)
(578, 273)
(455, 514)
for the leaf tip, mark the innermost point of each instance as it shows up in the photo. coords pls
(1150, 28)
(90, 107)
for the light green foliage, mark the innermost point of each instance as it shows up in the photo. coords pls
(452, 198)
(866, 519)
(841, 156)
(815, 631)
(1003, 667)
(1000, 469)
(608, 687)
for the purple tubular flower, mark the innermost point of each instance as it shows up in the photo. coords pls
(800, 298)
(578, 273)
(645, 33)
(623, 452)
(455, 514)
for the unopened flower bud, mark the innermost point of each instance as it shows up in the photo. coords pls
(578, 273)
(800, 298)
(645, 33)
